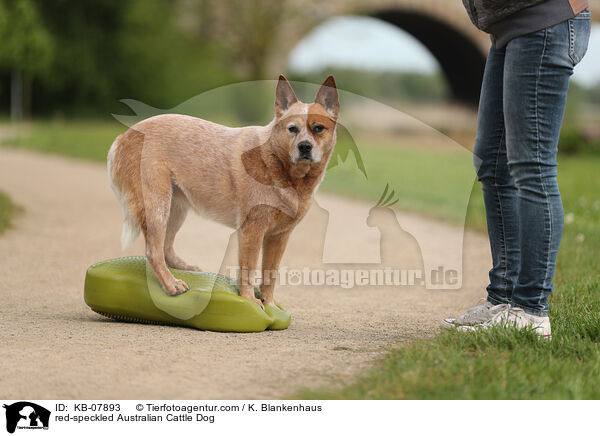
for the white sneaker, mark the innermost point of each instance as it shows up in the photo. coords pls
(482, 312)
(517, 318)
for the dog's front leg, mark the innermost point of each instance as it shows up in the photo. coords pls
(273, 248)
(250, 238)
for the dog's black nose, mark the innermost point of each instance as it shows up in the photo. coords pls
(304, 147)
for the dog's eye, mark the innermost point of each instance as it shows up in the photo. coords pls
(318, 128)
(293, 129)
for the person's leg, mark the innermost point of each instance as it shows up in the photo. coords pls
(499, 194)
(537, 68)
(499, 191)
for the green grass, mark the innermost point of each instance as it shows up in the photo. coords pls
(7, 212)
(434, 181)
(489, 365)
(79, 139)
(510, 364)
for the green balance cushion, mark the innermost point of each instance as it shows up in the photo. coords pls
(127, 289)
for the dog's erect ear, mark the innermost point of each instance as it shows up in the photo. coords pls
(284, 96)
(327, 96)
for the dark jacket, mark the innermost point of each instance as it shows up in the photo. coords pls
(483, 13)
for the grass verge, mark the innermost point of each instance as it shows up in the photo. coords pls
(7, 212)
(433, 179)
(79, 139)
(509, 364)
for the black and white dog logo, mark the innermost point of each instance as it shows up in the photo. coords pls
(26, 415)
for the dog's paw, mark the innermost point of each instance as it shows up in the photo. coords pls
(177, 287)
(259, 302)
(180, 264)
(256, 300)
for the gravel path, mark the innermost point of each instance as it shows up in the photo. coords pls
(53, 346)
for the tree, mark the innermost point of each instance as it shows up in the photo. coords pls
(26, 50)
(115, 49)
(245, 30)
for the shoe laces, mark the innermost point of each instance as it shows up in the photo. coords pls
(481, 302)
(506, 313)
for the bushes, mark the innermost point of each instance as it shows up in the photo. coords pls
(574, 140)
(106, 51)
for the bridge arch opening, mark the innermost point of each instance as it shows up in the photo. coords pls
(459, 58)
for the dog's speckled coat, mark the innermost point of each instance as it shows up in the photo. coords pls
(259, 180)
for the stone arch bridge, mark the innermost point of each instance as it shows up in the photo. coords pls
(442, 26)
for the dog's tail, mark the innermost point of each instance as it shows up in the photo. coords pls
(131, 227)
(131, 230)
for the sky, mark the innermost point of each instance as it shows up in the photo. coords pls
(368, 43)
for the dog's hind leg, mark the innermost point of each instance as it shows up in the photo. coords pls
(157, 190)
(179, 210)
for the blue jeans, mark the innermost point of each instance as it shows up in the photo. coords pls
(521, 109)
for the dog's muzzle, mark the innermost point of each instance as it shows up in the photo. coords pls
(305, 151)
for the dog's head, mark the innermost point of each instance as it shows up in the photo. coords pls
(305, 133)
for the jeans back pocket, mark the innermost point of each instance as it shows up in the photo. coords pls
(579, 35)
